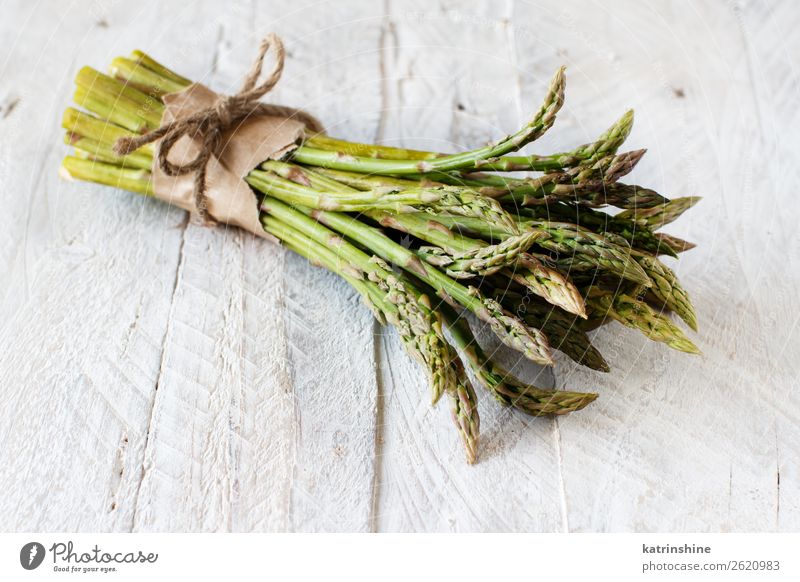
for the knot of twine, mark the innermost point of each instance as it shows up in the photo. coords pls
(211, 123)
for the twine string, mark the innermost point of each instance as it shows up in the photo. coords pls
(209, 125)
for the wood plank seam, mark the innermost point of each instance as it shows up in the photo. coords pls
(386, 40)
(162, 370)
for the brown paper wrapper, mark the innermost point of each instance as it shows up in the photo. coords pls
(230, 198)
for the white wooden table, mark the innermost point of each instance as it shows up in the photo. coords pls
(159, 376)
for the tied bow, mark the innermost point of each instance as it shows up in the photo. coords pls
(210, 124)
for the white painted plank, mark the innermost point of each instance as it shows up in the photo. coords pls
(87, 277)
(310, 392)
(77, 385)
(453, 84)
(681, 443)
(223, 411)
(771, 54)
(335, 74)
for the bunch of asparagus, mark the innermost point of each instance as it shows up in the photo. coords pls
(424, 237)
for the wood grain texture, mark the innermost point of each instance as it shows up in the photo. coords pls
(86, 305)
(159, 376)
(679, 443)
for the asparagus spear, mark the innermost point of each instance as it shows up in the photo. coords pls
(607, 143)
(133, 180)
(421, 330)
(585, 183)
(484, 260)
(637, 236)
(658, 216)
(549, 284)
(567, 238)
(563, 329)
(638, 315)
(164, 74)
(99, 151)
(324, 178)
(630, 196)
(434, 200)
(675, 244)
(507, 389)
(138, 71)
(367, 150)
(667, 288)
(464, 411)
(535, 128)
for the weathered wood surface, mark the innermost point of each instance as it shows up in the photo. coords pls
(158, 376)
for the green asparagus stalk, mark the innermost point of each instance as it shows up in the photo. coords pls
(606, 144)
(339, 180)
(534, 129)
(434, 200)
(630, 196)
(667, 288)
(133, 180)
(507, 389)
(99, 151)
(464, 411)
(420, 328)
(638, 315)
(586, 183)
(563, 329)
(566, 238)
(637, 236)
(146, 74)
(549, 284)
(657, 216)
(675, 244)
(480, 261)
